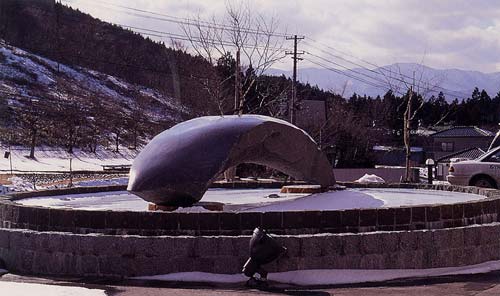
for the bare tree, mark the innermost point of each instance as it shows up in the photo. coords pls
(251, 37)
(416, 90)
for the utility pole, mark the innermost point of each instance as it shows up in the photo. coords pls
(57, 8)
(295, 58)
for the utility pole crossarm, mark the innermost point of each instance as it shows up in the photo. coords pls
(295, 58)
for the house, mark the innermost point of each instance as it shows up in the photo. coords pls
(457, 139)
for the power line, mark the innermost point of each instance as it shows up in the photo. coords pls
(346, 74)
(184, 21)
(445, 91)
(346, 68)
(163, 34)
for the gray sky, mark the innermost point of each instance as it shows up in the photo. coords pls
(461, 34)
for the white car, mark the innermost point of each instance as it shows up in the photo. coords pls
(482, 172)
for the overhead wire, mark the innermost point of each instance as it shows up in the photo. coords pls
(180, 20)
(400, 77)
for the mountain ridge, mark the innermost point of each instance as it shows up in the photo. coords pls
(454, 83)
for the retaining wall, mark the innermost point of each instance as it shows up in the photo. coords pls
(63, 254)
(443, 242)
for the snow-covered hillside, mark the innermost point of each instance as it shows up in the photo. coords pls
(23, 74)
(52, 159)
(453, 82)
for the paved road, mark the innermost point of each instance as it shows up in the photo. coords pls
(477, 285)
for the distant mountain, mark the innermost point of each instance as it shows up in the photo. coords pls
(453, 82)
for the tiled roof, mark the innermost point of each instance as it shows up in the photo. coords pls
(463, 131)
(471, 153)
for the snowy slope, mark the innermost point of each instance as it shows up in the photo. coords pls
(459, 83)
(50, 159)
(23, 73)
(28, 289)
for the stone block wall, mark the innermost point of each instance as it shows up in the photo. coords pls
(91, 255)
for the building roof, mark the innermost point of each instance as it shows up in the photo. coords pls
(396, 148)
(463, 132)
(471, 153)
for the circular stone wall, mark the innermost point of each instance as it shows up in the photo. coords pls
(31, 240)
(14, 215)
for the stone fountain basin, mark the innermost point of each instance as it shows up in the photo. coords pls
(256, 200)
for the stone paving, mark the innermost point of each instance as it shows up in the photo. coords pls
(478, 285)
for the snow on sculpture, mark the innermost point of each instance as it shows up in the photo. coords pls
(179, 164)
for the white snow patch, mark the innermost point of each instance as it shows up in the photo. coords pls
(116, 201)
(330, 276)
(52, 159)
(195, 209)
(28, 289)
(117, 82)
(370, 178)
(21, 59)
(124, 201)
(102, 182)
(18, 184)
(363, 198)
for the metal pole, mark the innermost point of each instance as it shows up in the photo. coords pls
(70, 173)
(10, 154)
(429, 174)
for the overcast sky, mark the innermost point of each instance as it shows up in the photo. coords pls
(461, 34)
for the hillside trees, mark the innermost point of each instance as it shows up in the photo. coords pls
(249, 37)
(32, 123)
(71, 37)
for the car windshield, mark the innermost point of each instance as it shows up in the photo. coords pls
(491, 155)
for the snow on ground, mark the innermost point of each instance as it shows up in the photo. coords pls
(360, 198)
(102, 182)
(246, 196)
(255, 200)
(19, 184)
(28, 289)
(16, 60)
(50, 159)
(369, 178)
(124, 201)
(118, 201)
(330, 276)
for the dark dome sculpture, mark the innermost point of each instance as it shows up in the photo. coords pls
(178, 165)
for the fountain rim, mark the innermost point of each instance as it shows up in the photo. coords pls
(436, 216)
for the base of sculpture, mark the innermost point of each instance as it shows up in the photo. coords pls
(210, 206)
(303, 189)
